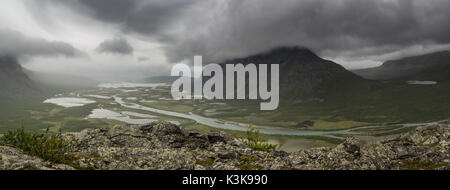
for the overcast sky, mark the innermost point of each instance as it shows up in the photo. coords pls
(118, 39)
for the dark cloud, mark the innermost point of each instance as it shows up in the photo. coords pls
(115, 46)
(239, 28)
(224, 29)
(16, 44)
(149, 17)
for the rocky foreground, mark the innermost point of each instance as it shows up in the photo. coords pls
(164, 146)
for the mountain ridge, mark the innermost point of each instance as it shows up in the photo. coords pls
(14, 82)
(303, 73)
(433, 66)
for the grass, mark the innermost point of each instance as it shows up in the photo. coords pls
(249, 158)
(389, 104)
(171, 106)
(412, 165)
(48, 146)
(208, 162)
(249, 167)
(28, 167)
(254, 141)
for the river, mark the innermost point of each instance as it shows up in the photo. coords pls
(215, 123)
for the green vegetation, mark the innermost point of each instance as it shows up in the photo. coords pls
(249, 167)
(208, 162)
(254, 141)
(28, 167)
(49, 146)
(389, 103)
(249, 158)
(412, 165)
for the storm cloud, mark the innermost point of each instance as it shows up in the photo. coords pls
(16, 44)
(225, 28)
(115, 46)
(352, 32)
(239, 28)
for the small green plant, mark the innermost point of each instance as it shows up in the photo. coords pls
(412, 165)
(249, 167)
(254, 140)
(208, 162)
(28, 167)
(48, 146)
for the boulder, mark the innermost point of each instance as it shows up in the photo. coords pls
(163, 146)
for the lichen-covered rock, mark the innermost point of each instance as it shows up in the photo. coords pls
(164, 146)
(15, 159)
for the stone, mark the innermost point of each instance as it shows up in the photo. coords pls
(162, 129)
(215, 137)
(164, 146)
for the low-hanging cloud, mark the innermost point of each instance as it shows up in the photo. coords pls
(16, 44)
(115, 46)
(226, 29)
(239, 28)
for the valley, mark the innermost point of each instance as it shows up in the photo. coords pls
(321, 103)
(130, 103)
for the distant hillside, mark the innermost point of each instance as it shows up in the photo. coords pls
(304, 74)
(55, 83)
(14, 83)
(434, 66)
(18, 83)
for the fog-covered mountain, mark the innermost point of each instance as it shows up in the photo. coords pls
(18, 83)
(303, 73)
(433, 66)
(54, 83)
(14, 83)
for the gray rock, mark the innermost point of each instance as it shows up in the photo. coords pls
(163, 146)
(15, 159)
(162, 128)
(215, 137)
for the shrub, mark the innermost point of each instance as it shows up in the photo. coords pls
(254, 140)
(50, 147)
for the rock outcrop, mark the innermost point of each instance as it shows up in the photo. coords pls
(163, 146)
(15, 159)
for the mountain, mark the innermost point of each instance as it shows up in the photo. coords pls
(18, 83)
(56, 83)
(433, 66)
(304, 74)
(14, 83)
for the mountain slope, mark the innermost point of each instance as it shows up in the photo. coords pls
(14, 83)
(304, 74)
(56, 83)
(434, 66)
